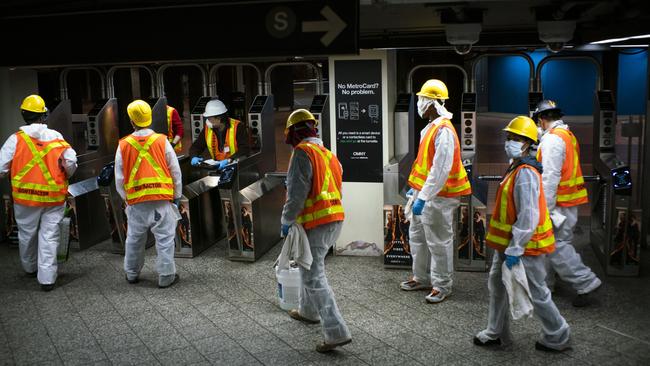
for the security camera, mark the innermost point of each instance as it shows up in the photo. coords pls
(462, 36)
(556, 33)
(462, 49)
(555, 47)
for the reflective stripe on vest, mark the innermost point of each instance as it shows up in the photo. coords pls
(146, 188)
(505, 214)
(212, 141)
(457, 183)
(170, 132)
(46, 190)
(571, 191)
(323, 205)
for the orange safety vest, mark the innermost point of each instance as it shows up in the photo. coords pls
(457, 183)
(37, 178)
(146, 174)
(571, 191)
(323, 204)
(505, 214)
(170, 133)
(212, 141)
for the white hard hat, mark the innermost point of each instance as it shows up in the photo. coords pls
(214, 107)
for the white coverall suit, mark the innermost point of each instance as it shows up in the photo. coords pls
(564, 260)
(316, 299)
(38, 227)
(159, 216)
(434, 263)
(555, 330)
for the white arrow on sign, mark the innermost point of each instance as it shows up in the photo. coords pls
(332, 26)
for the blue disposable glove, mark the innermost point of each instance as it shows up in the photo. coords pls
(222, 163)
(177, 202)
(196, 160)
(418, 206)
(410, 193)
(511, 260)
(284, 231)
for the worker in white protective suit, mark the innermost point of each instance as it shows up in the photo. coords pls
(520, 231)
(314, 183)
(40, 163)
(437, 180)
(148, 178)
(564, 188)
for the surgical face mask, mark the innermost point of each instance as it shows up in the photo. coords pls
(208, 124)
(423, 105)
(513, 149)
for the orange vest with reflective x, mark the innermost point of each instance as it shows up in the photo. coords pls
(212, 141)
(146, 174)
(457, 183)
(505, 214)
(571, 191)
(323, 204)
(37, 178)
(170, 132)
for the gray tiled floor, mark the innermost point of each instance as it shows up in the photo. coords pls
(226, 313)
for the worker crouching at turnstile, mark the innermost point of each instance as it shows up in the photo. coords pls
(314, 182)
(521, 232)
(225, 138)
(148, 178)
(40, 162)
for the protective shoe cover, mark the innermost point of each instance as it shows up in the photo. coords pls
(161, 217)
(413, 285)
(168, 280)
(317, 299)
(328, 347)
(555, 330)
(437, 296)
(38, 239)
(295, 314)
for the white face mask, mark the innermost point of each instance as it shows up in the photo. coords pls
(442, 111)
(513, 149)
(423, 105)
(208, 124)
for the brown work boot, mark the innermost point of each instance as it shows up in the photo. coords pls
(295, 314)
(327, 347)
(413, 285)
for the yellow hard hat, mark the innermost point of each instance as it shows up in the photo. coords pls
(434, 89)
(299, 115)
(34, 103)
(139, 112)
(523, 126)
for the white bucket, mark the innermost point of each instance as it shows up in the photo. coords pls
(288, 287)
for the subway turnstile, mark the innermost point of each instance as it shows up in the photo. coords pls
(615, 221)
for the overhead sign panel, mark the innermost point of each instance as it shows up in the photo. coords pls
(196, 32)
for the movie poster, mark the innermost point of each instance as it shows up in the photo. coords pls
(626, 238)
(184, 229)
(247, 227)
(471, 244)
(397, 252)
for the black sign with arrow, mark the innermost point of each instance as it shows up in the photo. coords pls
(181, 32)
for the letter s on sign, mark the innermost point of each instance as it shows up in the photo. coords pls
(280, 22)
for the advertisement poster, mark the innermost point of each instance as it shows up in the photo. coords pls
(247, 227)
(626, 235)
(358, 119)
(184, 228)
(231, 233)
(471, 245)
(397, 252)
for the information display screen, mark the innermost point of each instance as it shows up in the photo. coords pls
(621, 179)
